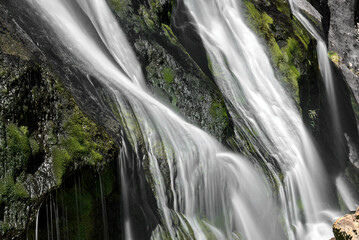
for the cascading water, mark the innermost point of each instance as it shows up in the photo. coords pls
(346, 193)
(344, 189)
(245, 76)
(325, 69)
(216, 194)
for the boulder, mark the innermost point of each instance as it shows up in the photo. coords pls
(347, 227)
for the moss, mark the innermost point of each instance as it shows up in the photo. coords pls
(61, 160)
(11, 191)
(217, 111)
(35, 148)
(20, 191)
(169, 34)
(6, 184)
(168, 74)
(120, 6)
(286, 58)
(82, 142)
(147, 17)
(18, 147)
(283, 7)
(334, 57)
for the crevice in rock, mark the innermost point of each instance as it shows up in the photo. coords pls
(323, 8)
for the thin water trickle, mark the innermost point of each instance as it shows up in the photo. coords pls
(104, 211)
(327, 75)
(346, 193)
(127, 225)
(37, 223)
(47, 221)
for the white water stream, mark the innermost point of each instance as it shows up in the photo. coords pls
(216, 194)
(324, 64)
(247, 80)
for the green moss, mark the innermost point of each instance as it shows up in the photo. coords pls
(168, 74)
(217, 111)
(284, 57)
(61, 160)
(6, 184)
(119, 6)
(283, 7)
(20, 191)
(169, 34)
(301, 33)
(82, 143)
(11, 191)
(18, 147)
(147, 17)
(334, 57)
(95, 157)
(35, 148)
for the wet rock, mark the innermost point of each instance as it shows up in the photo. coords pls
(347, 227)
(343, 39)
(312, 14)
(188, 89)
(38, 119)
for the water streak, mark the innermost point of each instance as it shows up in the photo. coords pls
(326, 72)
(104, 212)
(346, 193)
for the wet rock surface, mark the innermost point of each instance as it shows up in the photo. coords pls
(347, 227)
(175, 74)
(44, 136)
(343, 39)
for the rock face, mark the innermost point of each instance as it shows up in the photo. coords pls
(343, 39)
(44, 135)
(347, 227)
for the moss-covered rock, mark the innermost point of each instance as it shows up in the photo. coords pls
(286, 38)
(44, 136)
(172, 74)
(292, 52)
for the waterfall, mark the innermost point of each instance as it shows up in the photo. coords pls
(326, 72)
(346, 193)
(243, 72)
(343, 187)
(37, 223)
(104, 210)
(216, 194)
(127, 226)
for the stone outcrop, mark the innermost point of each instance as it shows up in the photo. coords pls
(347, 227)
(44, 135)
(343, 40)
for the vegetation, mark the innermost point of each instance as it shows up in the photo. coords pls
(286, 58)
(334, 57)
(168, 74)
